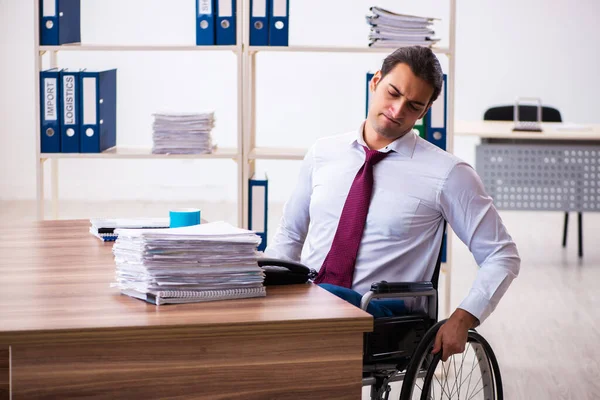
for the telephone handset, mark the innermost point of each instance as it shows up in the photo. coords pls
(283, 272)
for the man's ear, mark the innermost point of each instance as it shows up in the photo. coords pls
(424, 111)
(374, 81)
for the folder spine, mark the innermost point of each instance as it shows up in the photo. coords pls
(69, 103)
(370, 76)
(98, 110)
(225, 22)
(205, 23)
(436, 119)
(258, 200)
(279, 22)
(60, 22)
(50, 113)
(259, 23)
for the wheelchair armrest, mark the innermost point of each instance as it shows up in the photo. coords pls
(400, 287)
(385, 289)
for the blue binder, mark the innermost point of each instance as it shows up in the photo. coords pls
(259, 23)
(225, 32)
(50, 111)
(279, 11)
(444, 248)
(205, 23)
(69, 105)
(60, 22)
(98, 110)
(370, 76)
(436, 119)
(258, 199)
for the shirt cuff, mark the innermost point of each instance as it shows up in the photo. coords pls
(477, 305)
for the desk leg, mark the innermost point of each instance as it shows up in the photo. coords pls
(565, 229)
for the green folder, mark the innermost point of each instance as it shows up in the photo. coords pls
(420, 127)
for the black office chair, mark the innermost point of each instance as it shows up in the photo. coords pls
(529, 113)
(399, 349)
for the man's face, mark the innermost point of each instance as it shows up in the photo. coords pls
(397, 101)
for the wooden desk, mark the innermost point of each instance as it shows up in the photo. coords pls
(65, 333)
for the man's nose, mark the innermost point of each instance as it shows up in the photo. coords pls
(397, 109)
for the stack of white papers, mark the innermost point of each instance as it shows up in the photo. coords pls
(212, 261)
(183, 133)
(104, 228)
(389, 29)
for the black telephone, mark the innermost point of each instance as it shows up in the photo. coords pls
(283, 272)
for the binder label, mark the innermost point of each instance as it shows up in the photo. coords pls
(50, 100)
(280, 8)
(69, 99)
(437, 111)
(259, 8)
(204, 7)
(225, 8)
(89, 101)
(49, 8)
(258, 208)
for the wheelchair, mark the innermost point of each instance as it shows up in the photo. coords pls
(399, 348)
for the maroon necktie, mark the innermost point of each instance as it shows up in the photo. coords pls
(338, 267)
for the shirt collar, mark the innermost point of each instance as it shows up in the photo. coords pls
(404, 145)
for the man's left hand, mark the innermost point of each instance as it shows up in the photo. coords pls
(452, 336)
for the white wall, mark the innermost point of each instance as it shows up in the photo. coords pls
(504, 50)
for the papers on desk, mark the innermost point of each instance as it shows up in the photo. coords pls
(104, 228)
(393, 30)
(181, 133)
(212, 261)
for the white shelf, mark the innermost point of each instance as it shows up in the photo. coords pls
(101, 47)
(142, 153)
(277, 153)
(334, 49)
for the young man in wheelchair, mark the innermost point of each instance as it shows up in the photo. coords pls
(370, 205)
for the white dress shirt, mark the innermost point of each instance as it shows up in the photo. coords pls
(416, 187)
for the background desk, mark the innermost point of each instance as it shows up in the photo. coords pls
(65, 333)
(550, 170)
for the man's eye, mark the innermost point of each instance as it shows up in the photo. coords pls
(393, 94)
(412, 106)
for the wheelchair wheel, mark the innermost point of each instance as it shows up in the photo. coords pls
(474, 374)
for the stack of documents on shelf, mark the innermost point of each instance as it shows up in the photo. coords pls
(212, 261)
(389, 29)
(104, 228)
(183, 133)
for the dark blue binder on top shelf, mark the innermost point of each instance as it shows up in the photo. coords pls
(279, 11)
(60, 22)
(50, 111)
(205, 23)
(436, 118)
(259, 23)
(69, 104)
(370, 76)
(258, 199)
(98, 110)
(225, 22)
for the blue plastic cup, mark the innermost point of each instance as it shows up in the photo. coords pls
(184, 217)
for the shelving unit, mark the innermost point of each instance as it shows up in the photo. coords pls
(246, 152)
(123, 152)
(251, 153)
